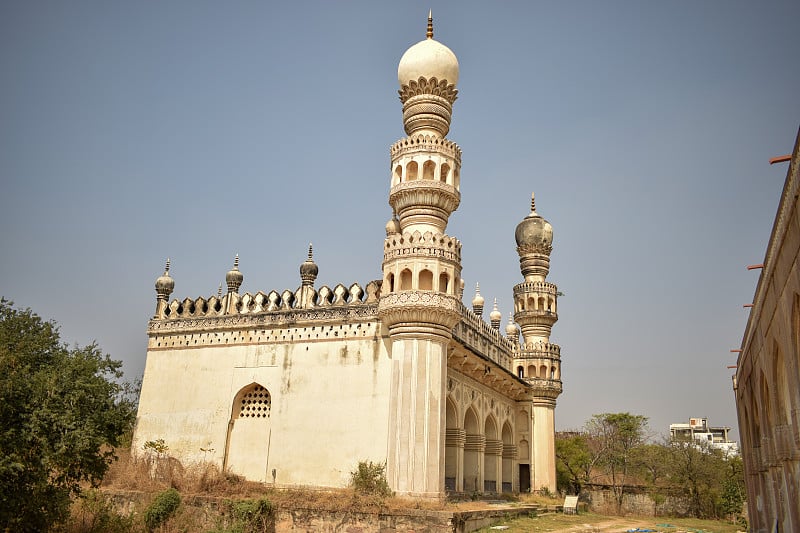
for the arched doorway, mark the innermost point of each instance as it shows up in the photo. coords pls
(473, 452)
(509, 454)
(491, 456)
(247, 447)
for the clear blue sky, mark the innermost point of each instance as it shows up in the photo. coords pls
(135, 131)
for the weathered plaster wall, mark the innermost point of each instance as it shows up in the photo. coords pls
(319, 382)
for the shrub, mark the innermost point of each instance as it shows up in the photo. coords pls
(252, 515)
(370, 478)
(163, 507)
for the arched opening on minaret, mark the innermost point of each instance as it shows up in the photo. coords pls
(411, 171)
(249, 433)
(405, 280)
(451, 445)
(491, 455)
(473, 449)
(428, 170)
(541, 303)
(390, 282)
(456, 179)
(520, 372)
(531, 304)
(444, 172)
(398, 175)
(444, 282)
(508, 458)
(543, 371)
(425, 280)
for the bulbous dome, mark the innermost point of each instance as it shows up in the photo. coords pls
(165, 283)
(234, 277)
(495, 316)
(511, 328)
(478, 300)
(534, 232)
(393, 226)
(428, 59)
(308, 268)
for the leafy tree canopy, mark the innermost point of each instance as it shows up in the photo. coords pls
(62, 410)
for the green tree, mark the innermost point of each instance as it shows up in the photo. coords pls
(61, 413)
(617, 436)
(574, 461)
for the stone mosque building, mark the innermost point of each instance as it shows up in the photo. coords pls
(295, 387)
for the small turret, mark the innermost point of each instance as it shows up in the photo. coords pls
(478, 301)
(495, 317)
(308, 274)
(234, 278)
(164, 286)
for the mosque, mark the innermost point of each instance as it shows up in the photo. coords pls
(294, 388)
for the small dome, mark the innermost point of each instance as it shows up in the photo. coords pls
(234, 278)
(478, 300)
(308, 268)
(511, 328)
(428, 59)
(534, 231)
(393, 226)
(495, 315)
(165, 283)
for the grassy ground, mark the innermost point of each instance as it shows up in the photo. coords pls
(594, 523)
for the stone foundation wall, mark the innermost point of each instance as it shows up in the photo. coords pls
(635, 503)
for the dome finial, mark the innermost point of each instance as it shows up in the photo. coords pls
(236, 262)
(478, 301)
(166, 268)
(429, 33)
(495, 317)
(308, 268)
(234, 278)
(533, 203)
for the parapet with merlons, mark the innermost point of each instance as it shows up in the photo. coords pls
(427, 244)
(337, 302)
(426, 144)
(539, 350)
(474, 333)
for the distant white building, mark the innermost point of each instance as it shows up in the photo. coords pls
(698, 430)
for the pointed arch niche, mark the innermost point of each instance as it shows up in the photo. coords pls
(249, 432)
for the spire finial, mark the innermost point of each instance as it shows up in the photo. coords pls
(166, 268)
(236, 262)
(310, 251)
(533, 203)
(429, 33)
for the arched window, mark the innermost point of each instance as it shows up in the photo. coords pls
(405, 280)
(398, 174)
(425, 280)
(411, 171)
(255, 402)
(249, 429)
(390, 282)
(428, 169)
(444, 173)
(444, 282)
(543, 371)
(520, 372)
(531, 371)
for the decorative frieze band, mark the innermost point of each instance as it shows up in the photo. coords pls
(455, 437)
(475, 443)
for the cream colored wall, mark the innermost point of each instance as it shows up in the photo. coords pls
(543, 469)
(330, 400)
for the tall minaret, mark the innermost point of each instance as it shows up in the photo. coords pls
(538, 360)
(420, 295)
